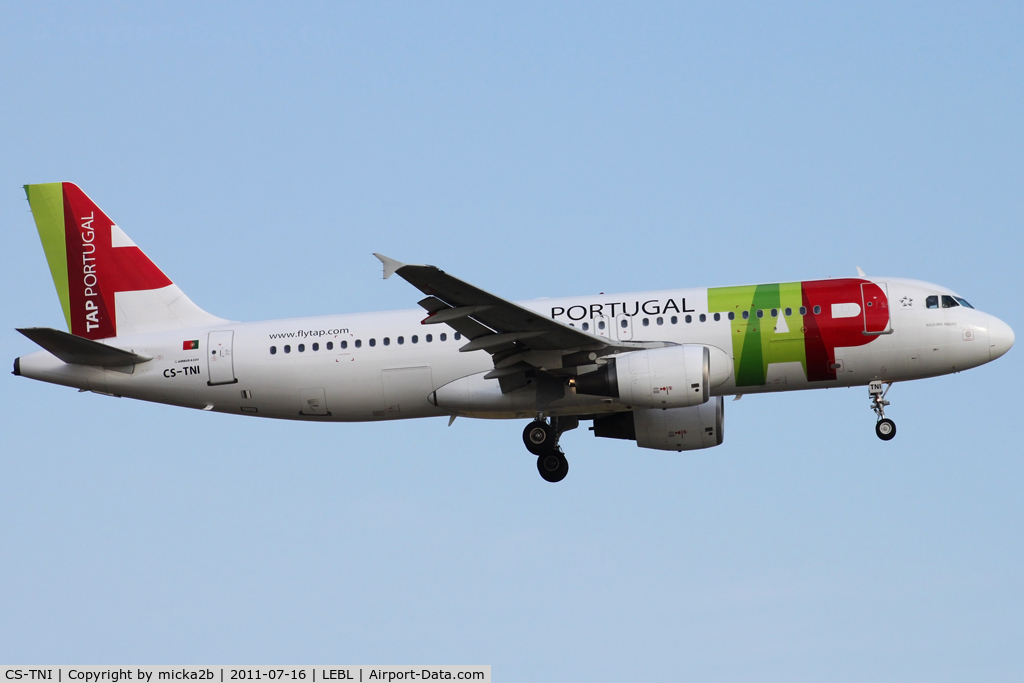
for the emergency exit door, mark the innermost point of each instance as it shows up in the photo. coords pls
(624, 327)
(219, 359)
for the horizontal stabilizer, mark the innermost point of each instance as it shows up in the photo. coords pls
(79, 350)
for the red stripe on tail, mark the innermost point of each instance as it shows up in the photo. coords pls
(97, 270)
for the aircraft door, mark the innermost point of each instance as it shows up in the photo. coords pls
(875, 309)
(220, 363)
(624, 327)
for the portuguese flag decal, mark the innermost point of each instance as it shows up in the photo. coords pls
(189, 345)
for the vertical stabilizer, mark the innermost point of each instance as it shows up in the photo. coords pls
(107, 287)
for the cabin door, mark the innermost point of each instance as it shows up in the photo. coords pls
(875, 309)
(220, 362)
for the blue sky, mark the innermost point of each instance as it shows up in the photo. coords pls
(259, 154)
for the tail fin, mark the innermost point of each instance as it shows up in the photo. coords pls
(107, 286)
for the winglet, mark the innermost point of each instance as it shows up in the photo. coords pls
(860, 272)
(391, 266)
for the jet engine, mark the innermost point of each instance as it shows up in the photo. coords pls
(674, 429)
(668, 377)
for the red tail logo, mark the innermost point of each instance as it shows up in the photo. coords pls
(102, 261)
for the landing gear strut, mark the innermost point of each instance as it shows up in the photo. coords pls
(884, 427)
(541, 439)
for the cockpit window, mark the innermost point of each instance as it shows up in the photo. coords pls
(963, 301)
(949, 302)
(932, 302)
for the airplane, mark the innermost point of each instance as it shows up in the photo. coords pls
(649, 367)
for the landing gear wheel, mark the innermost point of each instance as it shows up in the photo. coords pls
(540, 438)
(885, 429)
(553, 467)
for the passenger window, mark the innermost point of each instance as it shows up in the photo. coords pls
(931, 302)
(443, 336)
(817, 310)
(647, 322)
(703, 318)
(624, 323)
(316, 346)
(344, 344)
(732, 315)
(775, 313)
(660, 321)
(287, 348)
(401, 340)
(302, 347)
(718, 316)
(415, 339)
(948, 301)
(429, 338)
(760, 313)
(359, 343)
(789, 312)
(586, 326)
(746, 315)
(689, 318)
(674, 320)
(458, 336)
(803, 310)
(330, 345)
(273, 350)
(387, 341)
(373, 342)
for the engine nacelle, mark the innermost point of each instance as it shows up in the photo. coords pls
(675, 429)
(668, 377)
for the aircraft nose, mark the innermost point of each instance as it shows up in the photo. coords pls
(1001, 338)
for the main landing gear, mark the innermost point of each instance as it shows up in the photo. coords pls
(884, 427)
(541, 439)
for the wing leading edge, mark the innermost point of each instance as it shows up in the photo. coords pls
(521, 342)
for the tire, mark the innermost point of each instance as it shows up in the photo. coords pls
(539, 438)
(885, 429)
(553, 467)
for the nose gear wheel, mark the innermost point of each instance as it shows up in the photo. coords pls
(885, 428)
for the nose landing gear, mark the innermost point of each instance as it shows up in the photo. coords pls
(541, 439)
(884, 427)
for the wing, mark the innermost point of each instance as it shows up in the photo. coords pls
(520, 341)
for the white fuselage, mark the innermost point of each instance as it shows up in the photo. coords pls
(380, 366)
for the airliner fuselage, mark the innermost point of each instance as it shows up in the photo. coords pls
(383, 366)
